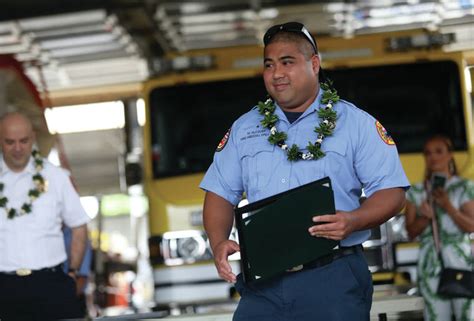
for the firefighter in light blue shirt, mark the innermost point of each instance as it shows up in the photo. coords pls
(304, 133)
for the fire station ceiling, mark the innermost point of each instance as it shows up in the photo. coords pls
(71, 44)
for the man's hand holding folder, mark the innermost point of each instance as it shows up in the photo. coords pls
(334, 226)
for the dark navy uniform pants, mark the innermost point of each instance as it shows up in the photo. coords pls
(339, 291)
(41, 296)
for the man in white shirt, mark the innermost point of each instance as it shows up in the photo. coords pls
(36, 198)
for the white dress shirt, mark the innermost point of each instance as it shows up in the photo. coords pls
(35, 240)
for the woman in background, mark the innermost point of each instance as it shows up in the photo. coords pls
(453, 206)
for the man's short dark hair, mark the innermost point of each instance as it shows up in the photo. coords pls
(304, 46)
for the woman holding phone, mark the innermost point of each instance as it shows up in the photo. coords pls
(451, 198)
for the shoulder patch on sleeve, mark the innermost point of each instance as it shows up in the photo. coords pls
(384, 134)
(223, 141)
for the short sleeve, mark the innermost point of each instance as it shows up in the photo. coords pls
(72, 211)
(224, 176)
(376, 161)
(468, 193)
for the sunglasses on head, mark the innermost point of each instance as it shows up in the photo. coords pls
(295, 27)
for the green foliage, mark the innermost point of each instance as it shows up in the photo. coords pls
(11, 213)
(26, 208)
(38, 177)
(324, 129)
(269, 120)
(34, 193)
(38, 180)
(328, 114)
(263, 107)
(328, 84)
(328, 118)
(293, 153)
(330, 96)
(277, 137)
(315, 150)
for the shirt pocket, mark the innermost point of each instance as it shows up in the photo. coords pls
(44, 209)
(257, 166)
(336, 157)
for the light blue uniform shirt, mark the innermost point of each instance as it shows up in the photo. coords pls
(358, 156)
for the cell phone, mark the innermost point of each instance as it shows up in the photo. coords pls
(438, 180)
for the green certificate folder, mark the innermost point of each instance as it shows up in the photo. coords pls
(273, 232)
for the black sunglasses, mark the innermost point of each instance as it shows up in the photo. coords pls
(295, 27)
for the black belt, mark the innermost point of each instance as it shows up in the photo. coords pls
(26, 272)
(327, 259)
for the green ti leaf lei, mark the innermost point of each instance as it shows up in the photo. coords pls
(40, 187)
(326, 114)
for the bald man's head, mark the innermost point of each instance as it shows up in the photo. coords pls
(16, 140)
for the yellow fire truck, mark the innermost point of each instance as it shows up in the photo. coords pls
(411, 81)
